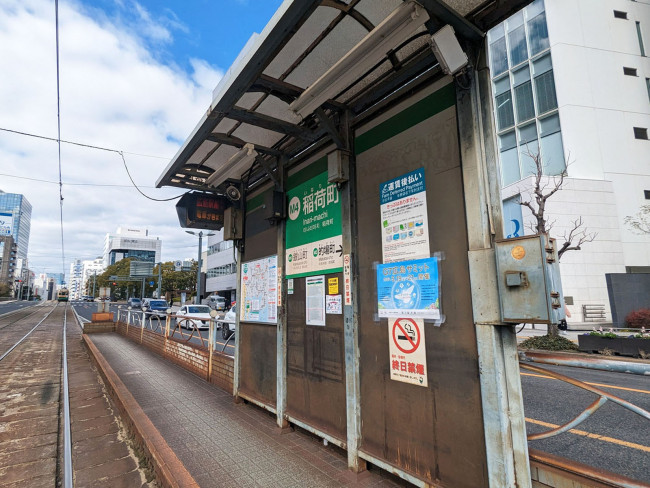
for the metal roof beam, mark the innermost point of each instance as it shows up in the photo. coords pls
(445, 15)
(270, 123)
(328, 124)
(264, 164)
(194, 172)
(221, 138)
(277, 88)
(287, 20)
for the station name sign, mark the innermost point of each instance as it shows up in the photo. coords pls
(201, 211)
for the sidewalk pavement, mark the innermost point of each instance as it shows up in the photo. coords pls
(218, 442)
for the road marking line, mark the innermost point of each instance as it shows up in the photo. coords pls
(592, 384)
(599, 437)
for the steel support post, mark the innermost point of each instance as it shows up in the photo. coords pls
(237, 360)
(351, 310)
(281, 331)
(501, 396)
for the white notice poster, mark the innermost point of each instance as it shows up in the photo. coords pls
(315, 299)
(407, 349)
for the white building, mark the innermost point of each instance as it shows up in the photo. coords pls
(575, 76)
(221, 268)
(129, 242)
(91, 268)
(75, 280)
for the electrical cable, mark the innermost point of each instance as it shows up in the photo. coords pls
(137, 188)
(69, 184)
(58, 127)
(121, 153)
(28, 134)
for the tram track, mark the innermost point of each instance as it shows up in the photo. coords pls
(50, 394)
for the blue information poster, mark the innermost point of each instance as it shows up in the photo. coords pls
(404, 223)
(409, 289)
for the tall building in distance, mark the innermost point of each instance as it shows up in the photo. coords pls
(15, 220)
(571, 80)
(91, 268)
(8, 251)
(221, 268)
(128, 242)
(75, 279)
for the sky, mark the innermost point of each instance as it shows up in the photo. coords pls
(135, 78)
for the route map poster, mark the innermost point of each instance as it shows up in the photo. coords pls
(407, 349)
(404, 222)
(259, 291)
(409, 289)
(314, 239)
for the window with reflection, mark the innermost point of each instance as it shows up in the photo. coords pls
(525, 98)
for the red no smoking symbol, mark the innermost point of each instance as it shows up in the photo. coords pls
(406, 332)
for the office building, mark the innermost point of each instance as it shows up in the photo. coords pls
(128, 242)
(571, 80)
(75, 279)
(15, 220)
(91, 268)
(8, 251)
(221, 268)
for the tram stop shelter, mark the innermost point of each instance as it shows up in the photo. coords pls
(353, 149)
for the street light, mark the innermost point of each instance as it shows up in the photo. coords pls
(198, 271)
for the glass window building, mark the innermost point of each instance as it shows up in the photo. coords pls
(526, 109)
(16, 215)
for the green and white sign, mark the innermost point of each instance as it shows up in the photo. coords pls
(314, 237)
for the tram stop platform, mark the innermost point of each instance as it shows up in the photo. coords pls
(196, 435)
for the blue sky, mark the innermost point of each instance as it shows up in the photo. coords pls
(135, 77)
(212, 30)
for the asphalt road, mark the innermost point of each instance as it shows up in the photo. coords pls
(6, 307)
(86, 309)
(612, 438)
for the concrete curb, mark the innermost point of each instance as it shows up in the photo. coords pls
(558, 358)
(169, 470)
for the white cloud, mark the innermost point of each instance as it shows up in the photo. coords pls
(114, 94)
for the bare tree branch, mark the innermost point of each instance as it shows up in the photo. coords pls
(639, 223)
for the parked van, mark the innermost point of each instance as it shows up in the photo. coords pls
(215, 302)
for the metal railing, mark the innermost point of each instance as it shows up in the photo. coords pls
(182, 329)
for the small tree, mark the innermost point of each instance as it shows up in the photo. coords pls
(640, 223)
(544, 187)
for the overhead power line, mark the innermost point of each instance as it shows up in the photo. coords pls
(120, 153)
(90, 146)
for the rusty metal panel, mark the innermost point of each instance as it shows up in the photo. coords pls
(315, 367)
(257, 377)
(257, 342)
(434, 433)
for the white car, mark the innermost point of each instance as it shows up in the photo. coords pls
(227, 322)
(193, 316)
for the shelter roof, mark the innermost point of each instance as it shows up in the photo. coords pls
(299, 45)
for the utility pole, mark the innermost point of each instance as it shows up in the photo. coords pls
(94, 280)
(159, 279)
(198, 271)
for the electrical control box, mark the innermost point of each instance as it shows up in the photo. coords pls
(530, 288)
(233, 224)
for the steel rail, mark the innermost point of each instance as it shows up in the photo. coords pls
(30, 311)
(67, 435)
(26, 335)
(587, 412)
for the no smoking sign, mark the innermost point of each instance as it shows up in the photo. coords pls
(408, 358)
